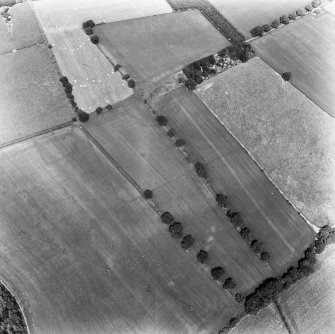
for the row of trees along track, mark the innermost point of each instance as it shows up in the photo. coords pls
(212, 15)
(88, 28)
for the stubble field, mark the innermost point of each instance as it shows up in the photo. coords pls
(305, 48)
(153, 47)
(132, 136)
(271, 219)
(287, 134)
(84, 253)
(95, 83)
(32, 98)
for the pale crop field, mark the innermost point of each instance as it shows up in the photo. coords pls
(95, 83)
(287, 134)
(60, 15)
(157, 46)
(265, 211)
(84, 253)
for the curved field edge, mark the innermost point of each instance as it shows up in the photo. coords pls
(286, 142)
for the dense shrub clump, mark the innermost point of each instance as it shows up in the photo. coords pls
(284, 19)
(292, 16)
(88, 24)
(171, 133)
(161, 120)
(266, 27)
(176, 230)
(187, 241)
(286, 76)
(299, 12)
(131, 83)
(217, 272)
(125, 76)
(167, 218)
(148, 194)
(202, 256)
(257, 31)
(180, 142)
(94, 39)
(83, 116)
(89, 31)
(201, 170)
(98, 110)
(275, 24)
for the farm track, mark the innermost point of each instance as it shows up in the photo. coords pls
(283, 318)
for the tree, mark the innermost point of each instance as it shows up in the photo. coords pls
(88, 31)
(222, 200)
(171, 133)
(180, 142)
(73, 103)
(49, 46)
(265, 256)
(286, 76)
(109, 107)
(299, 12)
(131, 83)
(257, 31)
(284, 19)
(198, 79)
(320, 246)
(275, 24)
(190, 84)
(292, 16)
(94, 39)
(211, 59)
(167, 218)
(176, 230)
(148, 194)
(117, 67)
(229, 283)
(230, 214)
(239, 297)
(98, 110)
(202, 256)
(125, 76)
(83, 116)
(200, 169)
(187, 241)
(236, 219)
(70, 96)
(233, 322)
(68, 88)
(324, 232)
(63, 80)
(217, 272)
(266, 27)
(89, 23)
(308, 8)
(161, 120)
(245, 233)
(316, 3)
(256, 246)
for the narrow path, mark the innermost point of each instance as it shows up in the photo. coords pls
(283, 318)
(21, 48)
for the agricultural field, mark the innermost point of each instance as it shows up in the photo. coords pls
(245, 15)
(287, 134)
(32, 98)
(132, 136)
(153, 47)
(231, 171)
(60, 15)
(95, 83)
(85, 253)
(309, 304)
(22, 31)
(267, 321)
(305, 48)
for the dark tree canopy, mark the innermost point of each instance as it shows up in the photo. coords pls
(131, 83)
(117, 67)
(256, 246)
(83, 116)
(245, 233)
(257, 31)
(217, 272)
(236, 219)
(200, 169)
(190, 84)
(167, 218)
(171, 133)
(222, 200)
(320, 246)
(266, 27)
(98, 110)
(89, 31)
(202, 256)
(148, 194)
(275, 24)
(265, 256)
(176, 230)
(94, 39)
(284, 19)
(125, 76)
(180, 142)
(229, 283)
(161, 120)
(286, 76)
(239, 297)
(63, 80)
(187, 241)
(292, 16)
(233, 322)
(88, 24)
(299, 12)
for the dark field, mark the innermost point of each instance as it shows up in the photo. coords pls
(157, 46)
(283, 232)
(86, 254)
(32, 98)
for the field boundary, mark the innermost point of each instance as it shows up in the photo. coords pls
(282, 316)
(36, 134)
(314, 228)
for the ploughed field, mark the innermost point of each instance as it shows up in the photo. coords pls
(85, 253)
(132, 136)
(245, 14)
(231, 171)
(32, 98)
(60, 15)
(153, 47)
(287, 134)
(305, 48)
(95, 83)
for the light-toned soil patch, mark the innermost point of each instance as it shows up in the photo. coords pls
(287, 134)
(32, 98)
(154, 47)
(95, 83)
